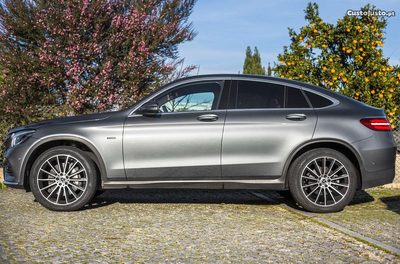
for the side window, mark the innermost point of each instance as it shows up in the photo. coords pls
(295, 99)
(318, 101)
(193, 97)
(259, 95)
(223, 102)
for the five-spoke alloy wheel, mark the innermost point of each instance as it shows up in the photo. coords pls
(63, 179)
(323, 180)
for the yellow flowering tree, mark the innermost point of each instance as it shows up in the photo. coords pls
(346, 58)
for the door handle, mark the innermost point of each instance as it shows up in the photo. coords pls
(208, 118)
(296, 117)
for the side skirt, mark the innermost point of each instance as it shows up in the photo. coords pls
(276, 184)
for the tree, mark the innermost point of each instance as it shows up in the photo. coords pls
(252, 62)
(60, 58)
(74, 57)
(269, 70)
(345, 58)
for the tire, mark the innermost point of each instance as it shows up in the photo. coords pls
(63, 188)
(323, 180)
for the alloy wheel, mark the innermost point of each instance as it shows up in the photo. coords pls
(62, 179)
(325, 181)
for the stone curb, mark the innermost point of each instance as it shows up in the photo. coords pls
(332, 225)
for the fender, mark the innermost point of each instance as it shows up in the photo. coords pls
(70, 137)
(321, 141)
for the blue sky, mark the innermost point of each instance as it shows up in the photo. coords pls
(226, 27)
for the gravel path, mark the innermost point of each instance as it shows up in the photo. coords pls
(132, 226)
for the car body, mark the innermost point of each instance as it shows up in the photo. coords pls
(210, 132)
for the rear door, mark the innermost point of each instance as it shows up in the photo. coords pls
(265, 122)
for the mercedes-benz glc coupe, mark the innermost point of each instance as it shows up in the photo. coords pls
(210, 132)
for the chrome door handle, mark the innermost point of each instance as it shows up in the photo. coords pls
(208, 118)
(296, 117)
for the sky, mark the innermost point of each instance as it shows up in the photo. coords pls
(226, 27)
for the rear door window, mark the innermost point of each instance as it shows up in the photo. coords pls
(295, 98)
(259, 95)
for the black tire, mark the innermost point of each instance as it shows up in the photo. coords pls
(63, 179)
(323, 180)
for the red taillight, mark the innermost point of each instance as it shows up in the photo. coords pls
(379, 124)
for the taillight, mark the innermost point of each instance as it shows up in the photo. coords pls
(379, 124)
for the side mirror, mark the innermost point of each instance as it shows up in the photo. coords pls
(149, 109)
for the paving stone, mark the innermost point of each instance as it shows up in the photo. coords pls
(142, 226)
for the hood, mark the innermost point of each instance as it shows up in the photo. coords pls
(65, 120)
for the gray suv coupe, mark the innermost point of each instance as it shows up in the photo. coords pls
(210, 132)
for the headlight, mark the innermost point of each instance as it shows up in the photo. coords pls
(20, 136)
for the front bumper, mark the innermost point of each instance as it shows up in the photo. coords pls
(9, 177)
(14, 164)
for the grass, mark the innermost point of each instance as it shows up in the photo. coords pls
(374, 213)
(2, 186)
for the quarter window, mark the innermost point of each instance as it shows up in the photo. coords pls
(318, 101)
(196, 97)
(259, 95)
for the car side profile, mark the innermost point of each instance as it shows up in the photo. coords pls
(210, 132)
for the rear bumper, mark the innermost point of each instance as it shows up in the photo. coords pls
(378, 159)
(373, 179)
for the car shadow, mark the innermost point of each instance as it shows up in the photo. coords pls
(360, 197)
(132, 196)
(392, 203)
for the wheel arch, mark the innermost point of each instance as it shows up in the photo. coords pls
(50, 142)
(337, 145)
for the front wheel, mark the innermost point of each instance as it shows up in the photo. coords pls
(63, 179)
(323, 180)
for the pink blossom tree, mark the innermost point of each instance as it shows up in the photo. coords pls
(68, 57)
(74, 57)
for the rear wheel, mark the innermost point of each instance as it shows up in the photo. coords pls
(323, 180)
(63, 179)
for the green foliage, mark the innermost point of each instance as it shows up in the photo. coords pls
(252, 63)
(269, 70)
(345, 58)
(61, 58)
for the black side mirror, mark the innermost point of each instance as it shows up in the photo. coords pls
(149, 109)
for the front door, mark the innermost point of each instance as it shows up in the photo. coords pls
(182, 142)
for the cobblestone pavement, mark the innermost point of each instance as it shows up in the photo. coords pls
(374, 213)
(142, 226)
